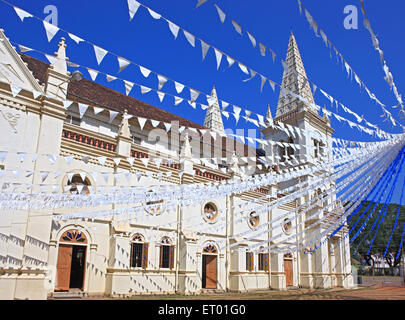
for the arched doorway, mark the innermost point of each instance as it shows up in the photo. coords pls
(288, 269)
(71, 260)
(209, 267)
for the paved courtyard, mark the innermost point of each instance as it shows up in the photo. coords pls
(361, 293)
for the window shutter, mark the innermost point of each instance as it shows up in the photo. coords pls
(250, 261)
(171, 257)
(266, 262)
(131, 255)
(161, 257)
(145, 248)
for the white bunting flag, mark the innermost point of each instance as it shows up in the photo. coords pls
(158, 161)
(145, 72)
(102, 160)
(131, 160)
(218, 56)
(93, 73)
(230, 61)
(155, 123)
(117, 161)
(243, 68)
(161, 95)
(110, 78)
(133, 6)
(52, 158)
(142, 122)
(200, 2)
(168, 126)
(82, 109)
(128, 86)
(51, 59)
(36, 93)
(177, 100)
(237, 27)
(145, 89)
(263, 81)
(154, 14)
(221, 14)
(105, 176)
(272, 84)
(50, 29)
(123, 63)
(262, 49)
(252, 39)
(145, 161)
(194, 94)
(44, 175)
(23, 48)
(75, 38)
(190, 38)
(97, 110)
(173, 28)
(22, 156)
(100, 53)
(15, 90)
(69, 159)
(113, 114)
(162, 80)
(22, 14)
(204, 47)
(179, 87)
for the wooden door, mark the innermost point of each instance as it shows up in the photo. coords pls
(288, 271)
(64, 266)
(210, 267)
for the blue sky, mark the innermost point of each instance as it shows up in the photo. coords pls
(149, 42)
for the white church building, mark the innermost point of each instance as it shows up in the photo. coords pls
(186, 249)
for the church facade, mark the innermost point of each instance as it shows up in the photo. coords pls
(189, 249)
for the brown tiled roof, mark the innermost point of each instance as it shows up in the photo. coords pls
(87, 91)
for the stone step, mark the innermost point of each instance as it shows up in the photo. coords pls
(68, 295)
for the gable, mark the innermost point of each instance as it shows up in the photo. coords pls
(12, 68)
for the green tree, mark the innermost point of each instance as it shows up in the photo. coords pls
(361, 244)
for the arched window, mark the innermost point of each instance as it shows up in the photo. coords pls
(210, 212)
(249, 261)
(139, 252)
(73, 236)
(78, 185)
(166, 253)
(210, 249)
(263, 260)
(254, 219)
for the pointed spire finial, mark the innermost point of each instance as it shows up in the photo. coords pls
(213, 117)
(60, 64)
(268, 114)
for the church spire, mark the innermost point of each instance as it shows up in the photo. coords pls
(268, 114)
(213, 117)
(294, 79)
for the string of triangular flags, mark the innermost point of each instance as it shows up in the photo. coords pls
(349, 69)
(162, 79)
(263, 48)
(388, 75)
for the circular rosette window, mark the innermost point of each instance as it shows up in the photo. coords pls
(253, 219)
(210, 212)
(287, 226)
